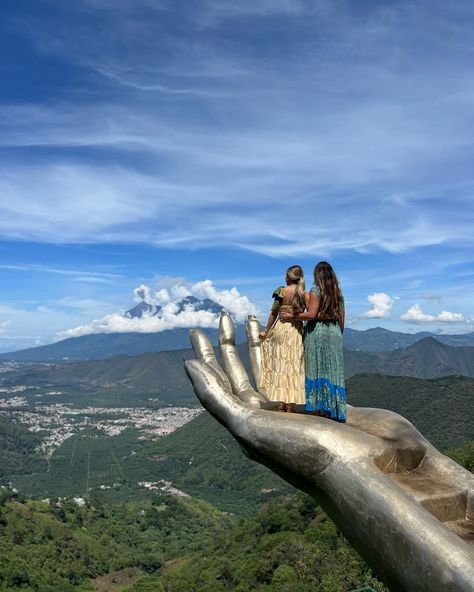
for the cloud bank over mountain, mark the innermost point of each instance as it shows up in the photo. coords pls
(181, 305)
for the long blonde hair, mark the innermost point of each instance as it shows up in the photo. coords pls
(330, 298)
(295, 275)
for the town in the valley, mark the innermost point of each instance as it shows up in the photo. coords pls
(56, 422)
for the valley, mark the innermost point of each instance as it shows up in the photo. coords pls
(120, 447)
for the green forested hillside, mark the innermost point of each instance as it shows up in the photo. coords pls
(45, 548)
(201, 458)
(113, 380)
(17, 449)
(204, 460)
(379, 339)
(161, 543)
(174, 545)
(427, 358)
(288, 546)
(177, 545)
(441, 409)
(464, 455)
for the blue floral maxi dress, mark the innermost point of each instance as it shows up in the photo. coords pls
(324, 367)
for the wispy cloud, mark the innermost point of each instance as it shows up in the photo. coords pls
(302, 130)
(241, 144)
(76, 274)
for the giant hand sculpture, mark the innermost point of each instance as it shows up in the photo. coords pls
(405, 507)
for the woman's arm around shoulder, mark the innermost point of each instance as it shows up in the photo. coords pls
(312, 307)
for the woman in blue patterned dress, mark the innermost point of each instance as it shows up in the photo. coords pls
(323, 348)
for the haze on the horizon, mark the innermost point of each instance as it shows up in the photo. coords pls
(164, 143)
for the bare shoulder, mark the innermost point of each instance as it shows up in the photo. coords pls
(288, 293)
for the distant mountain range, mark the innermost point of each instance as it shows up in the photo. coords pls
(427, 358)
(106, 345)
(379, 339)
(163, 372)
(103, 345)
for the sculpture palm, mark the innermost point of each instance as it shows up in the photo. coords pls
(404, 506)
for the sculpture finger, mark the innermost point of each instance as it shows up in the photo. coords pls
(254, 328)
(218, 400)
(204, 351)
(234, 368)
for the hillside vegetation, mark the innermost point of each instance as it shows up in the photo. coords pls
(177, 545)
(17, 449)
(49, 548)
(202, 459)
(379, 339)
(441, 409)
(427, 358)
(288, 546)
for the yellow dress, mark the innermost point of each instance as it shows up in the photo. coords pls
(282, 376)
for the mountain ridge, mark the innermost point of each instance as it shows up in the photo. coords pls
(163, 371)
(104, 345)
(427, 358)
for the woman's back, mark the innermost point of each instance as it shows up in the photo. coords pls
(288, 294)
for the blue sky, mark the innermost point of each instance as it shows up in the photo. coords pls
(160, 141)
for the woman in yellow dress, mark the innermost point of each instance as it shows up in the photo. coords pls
(282, 377)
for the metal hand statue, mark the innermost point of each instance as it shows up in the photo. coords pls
(405, 507)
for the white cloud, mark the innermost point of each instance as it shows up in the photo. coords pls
(381, 303)
(142, 293)
(161, 297)
(3, 327)
(180, 291)
(415, 315)
(170, 316)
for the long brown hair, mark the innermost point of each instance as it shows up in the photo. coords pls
(330, 297)
(295, 275)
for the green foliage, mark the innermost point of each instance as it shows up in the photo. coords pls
(204, 460)
(289, 545)
(176, 545)
(427, 358)
(441, 409)
(146, 584)
(46, 548)
(464, 455)
(17, 449)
